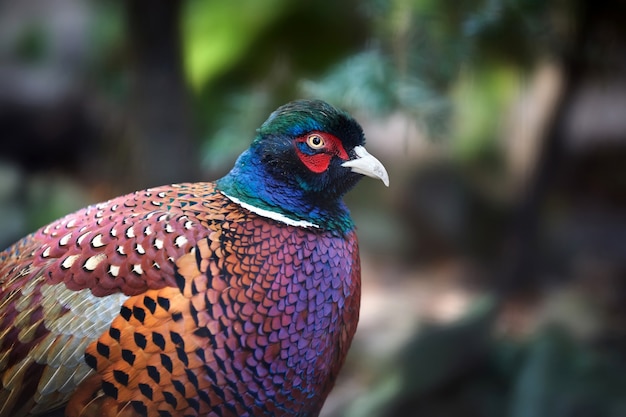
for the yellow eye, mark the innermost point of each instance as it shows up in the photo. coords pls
(315, 141)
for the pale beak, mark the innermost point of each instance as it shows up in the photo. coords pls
(366, 164)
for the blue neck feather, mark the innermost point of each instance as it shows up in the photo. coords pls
(251, 182)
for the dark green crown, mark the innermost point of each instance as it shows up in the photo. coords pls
(302, 116)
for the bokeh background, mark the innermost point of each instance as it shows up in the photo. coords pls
(494, 267)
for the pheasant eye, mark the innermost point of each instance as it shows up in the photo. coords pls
(315, 141)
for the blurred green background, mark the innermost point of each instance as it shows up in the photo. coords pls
(494, 266)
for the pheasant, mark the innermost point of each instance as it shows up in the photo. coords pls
(233, 298)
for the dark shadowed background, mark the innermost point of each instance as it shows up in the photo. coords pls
(494, 267)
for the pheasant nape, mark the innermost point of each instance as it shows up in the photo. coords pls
(233, 298)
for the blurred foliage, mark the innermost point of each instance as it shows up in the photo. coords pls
(560, 376)
(31, 45)
(216, 33)
(448, 66)
(370, 83)
(464, 370)
(418, 57)
(426, 362)
(477, 96)
(108, 68)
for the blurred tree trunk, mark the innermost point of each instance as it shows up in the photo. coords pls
(593, 57)
(163, 145)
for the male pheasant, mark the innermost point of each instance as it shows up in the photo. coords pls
(233, 298)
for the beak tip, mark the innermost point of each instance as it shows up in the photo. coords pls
(379, 172)
(368, 165)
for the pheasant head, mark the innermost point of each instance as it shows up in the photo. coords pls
(305, 157)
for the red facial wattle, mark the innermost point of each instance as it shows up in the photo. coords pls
(319, 161)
